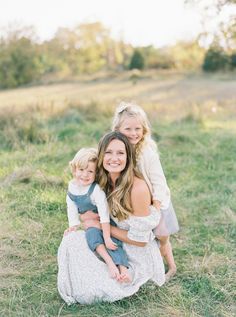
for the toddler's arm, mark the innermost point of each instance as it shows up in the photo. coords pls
(72, 213)
(107, 236)
(71, 229)
(103, 211)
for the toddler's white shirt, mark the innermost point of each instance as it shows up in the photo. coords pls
(98, 198)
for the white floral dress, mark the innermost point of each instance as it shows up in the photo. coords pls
(84, 278)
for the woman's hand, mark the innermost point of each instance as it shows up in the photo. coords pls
(89, 215)
(90, 219)
(91, 223)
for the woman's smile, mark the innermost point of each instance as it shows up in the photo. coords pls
(115, 157)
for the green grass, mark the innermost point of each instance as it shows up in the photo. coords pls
(198, 153)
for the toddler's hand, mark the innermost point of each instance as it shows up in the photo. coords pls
(110, 244)
(70, 229)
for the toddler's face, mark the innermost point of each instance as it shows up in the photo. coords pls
(86, 176)
(132, 128)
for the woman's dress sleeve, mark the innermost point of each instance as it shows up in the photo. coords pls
(140, 229)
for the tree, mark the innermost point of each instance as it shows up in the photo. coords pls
(19, 60)
(86, 48)
(187, 55)
(215, 59)
(233, 60)
(157, 58)
(219, 4)
(226, 30)
(137, 60)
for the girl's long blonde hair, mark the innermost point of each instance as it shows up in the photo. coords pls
(119, 197)
(130, 110)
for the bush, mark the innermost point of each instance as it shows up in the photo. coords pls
(233, 60)
(215, 59)
(137, 60)
(18, 63)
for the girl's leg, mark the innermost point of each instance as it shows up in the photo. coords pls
(166, 252)
(125, 277)
(113, 269)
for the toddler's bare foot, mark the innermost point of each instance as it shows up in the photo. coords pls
(170, 273)
(114, 271)
(125, 277)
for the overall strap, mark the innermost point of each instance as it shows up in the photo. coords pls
(91, 188)
(72, 197)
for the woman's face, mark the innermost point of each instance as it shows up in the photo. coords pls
(115, 157)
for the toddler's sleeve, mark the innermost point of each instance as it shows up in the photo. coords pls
(72, 212)
(100, 201)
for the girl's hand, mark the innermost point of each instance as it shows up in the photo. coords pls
(110, 244)
(70, 229)
(157, 205)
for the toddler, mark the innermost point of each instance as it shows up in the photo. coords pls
(85, 195)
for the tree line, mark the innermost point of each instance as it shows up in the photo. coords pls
(89, 48)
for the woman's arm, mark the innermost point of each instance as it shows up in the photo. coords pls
(140, 201)
(115, 232)
(89, 215)
(140, 198)
(122, 235)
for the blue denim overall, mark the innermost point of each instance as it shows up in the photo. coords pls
(94, 235)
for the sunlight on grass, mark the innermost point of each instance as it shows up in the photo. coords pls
(229, 126)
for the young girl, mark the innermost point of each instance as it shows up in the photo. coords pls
(132, 121)
(85, 195)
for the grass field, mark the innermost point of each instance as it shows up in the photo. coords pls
(194, 123)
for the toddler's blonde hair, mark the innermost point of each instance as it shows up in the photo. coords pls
(131, 110)
(82, 158)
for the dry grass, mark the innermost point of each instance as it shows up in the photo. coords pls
(171, 97)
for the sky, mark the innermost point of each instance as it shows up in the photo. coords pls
(139, 22)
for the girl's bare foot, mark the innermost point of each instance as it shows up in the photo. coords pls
(170, 273)
(166, 252)
(125, 277)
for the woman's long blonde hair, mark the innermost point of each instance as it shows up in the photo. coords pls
(130, 110)
(119, 197)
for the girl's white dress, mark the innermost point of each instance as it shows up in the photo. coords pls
(84, 278)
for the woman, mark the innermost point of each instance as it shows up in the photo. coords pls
(84, 278)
